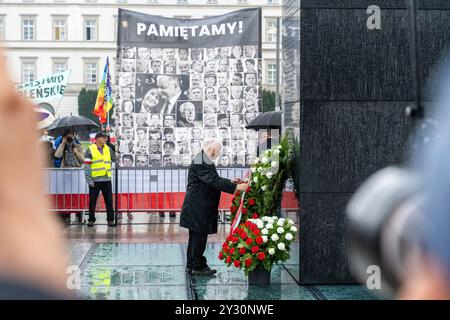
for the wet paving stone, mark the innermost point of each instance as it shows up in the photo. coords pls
(155, 271)
(346, 292)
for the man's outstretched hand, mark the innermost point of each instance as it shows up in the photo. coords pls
(242, 186)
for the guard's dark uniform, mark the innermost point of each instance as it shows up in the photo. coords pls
(200, 207)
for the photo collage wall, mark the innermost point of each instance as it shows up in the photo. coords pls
(170, 99)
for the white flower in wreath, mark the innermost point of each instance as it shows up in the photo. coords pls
(269, 226)
(264, 231)
(280, 230)
(274, 164)
(256, 161)
(290, 221)
(278, 147)
(271, 220)
(265, 239)
(293, 229)
(265, 160)
(264, 219)
(253, 170)
(281, 222)
(267, 153)
(264, 188)
(260, 169)
(269, 175)
(276, 152)
(281, 246)
(255, 179)
(259, 224)
(271, 251)
(289, 236)
(275, 237)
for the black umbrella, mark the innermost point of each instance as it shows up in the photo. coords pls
(78, 123)
(266, 120)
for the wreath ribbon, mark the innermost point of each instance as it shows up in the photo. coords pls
(238, 216)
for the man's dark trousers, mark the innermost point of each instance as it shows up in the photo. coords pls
(196, 248)
(106, 188)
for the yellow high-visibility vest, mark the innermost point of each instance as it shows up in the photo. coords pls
(101, 163)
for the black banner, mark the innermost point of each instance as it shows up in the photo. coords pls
(235, 28)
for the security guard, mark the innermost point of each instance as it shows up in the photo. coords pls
(97, 169)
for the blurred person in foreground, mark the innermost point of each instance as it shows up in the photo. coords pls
(429, 275)
(200, 207)
(32, 257)
(97, 170)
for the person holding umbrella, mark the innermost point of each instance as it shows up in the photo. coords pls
(97, 169)
(70, 154)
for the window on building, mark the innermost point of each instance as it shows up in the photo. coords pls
(271, 30)
(60, 28)
(28, 28)
(271, 73)
(2, 27)
(90, 29)
(272, 1)
(59, 66)
(28, 71)
(115, 27)
(90, 72)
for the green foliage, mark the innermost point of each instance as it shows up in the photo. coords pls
(268, 100)
(266, 184)
(86, 103)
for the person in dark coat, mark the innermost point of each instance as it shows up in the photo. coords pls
(200, 206)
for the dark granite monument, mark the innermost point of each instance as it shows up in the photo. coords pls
(356, 82)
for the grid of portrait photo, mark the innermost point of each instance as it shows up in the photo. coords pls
(170, 99)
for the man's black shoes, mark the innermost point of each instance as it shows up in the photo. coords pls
(204, 272)
(111, 224)
(90, 223)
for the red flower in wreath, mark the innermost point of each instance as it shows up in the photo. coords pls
(225, 245)
(228, 260)
(242, 251)
(255, 216)
(244, 210)
(261, 256)
(251, 201)
(248, 189)
(244, 235)
(259, 240)
(235, 239)
(249, 241)
(231, 251)
(221, 255)
(249, 224)
(256, 232)
(255, 249)
(237, 263)
(248, 262)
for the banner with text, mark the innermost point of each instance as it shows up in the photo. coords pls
(184, 80)
(45, 89)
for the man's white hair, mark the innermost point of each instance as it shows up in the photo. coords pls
(210, 143)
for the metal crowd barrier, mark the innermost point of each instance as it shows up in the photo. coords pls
(136, 190)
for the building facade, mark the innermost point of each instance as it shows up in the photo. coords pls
(47, 36)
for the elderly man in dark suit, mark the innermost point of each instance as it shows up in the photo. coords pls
(200, 206)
